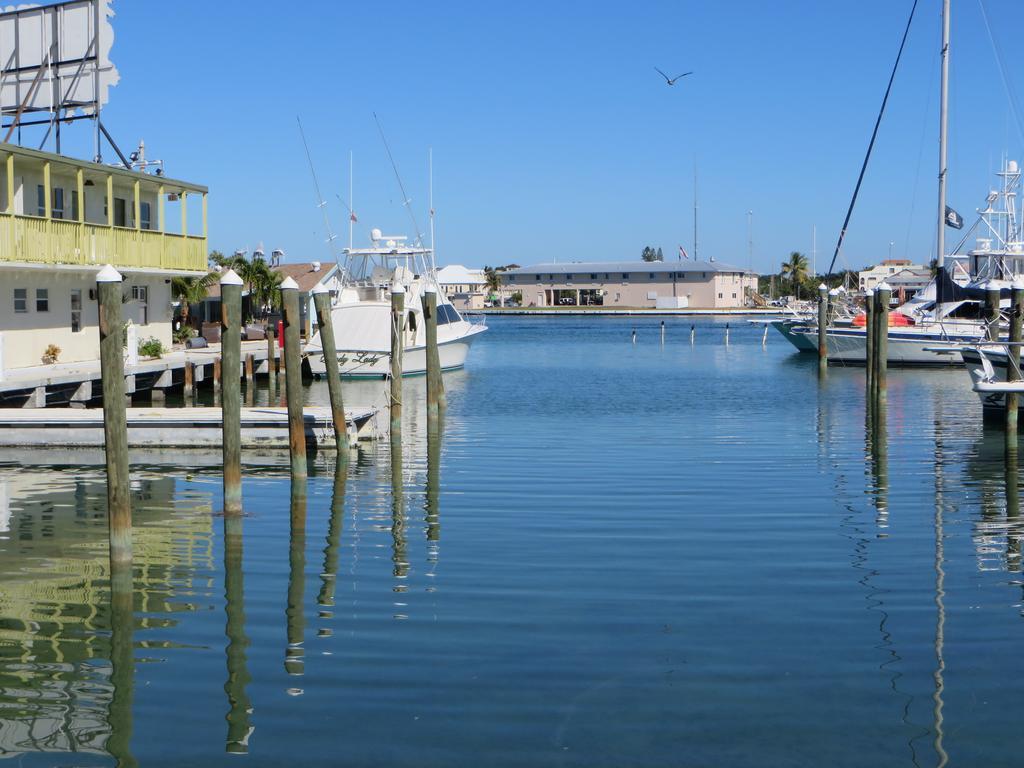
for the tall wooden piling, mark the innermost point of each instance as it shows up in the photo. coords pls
(115, 423)
(992, 311)
(322, 303)
(250, 368)
(436, 399)
(122, 658)
(882, 296)
(188, 390)
(218, 374)
(397, 337)
(822, 325)
(231, 396)
(271, 351)
(1013, 358)
(869, 341)
(293, 377)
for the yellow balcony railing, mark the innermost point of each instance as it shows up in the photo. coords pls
(55, 241)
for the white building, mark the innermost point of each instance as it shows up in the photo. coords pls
(870, 278)
(465, 288)
(61, 220)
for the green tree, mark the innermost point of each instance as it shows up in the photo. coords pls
(660, 256)
(259, 279)
(649, 254)
(492, 280)
(191, 290)
(795, 270)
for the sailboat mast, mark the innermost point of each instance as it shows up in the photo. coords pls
(943, 107)
(695, 209)
(430, 202)
(351, 202)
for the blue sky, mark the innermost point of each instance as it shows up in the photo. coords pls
(553, 136)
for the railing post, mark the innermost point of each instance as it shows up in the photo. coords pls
(436, 400)
(1013, 357)
(322, 304)
(231, 406)
(293, 379)
(115, 424)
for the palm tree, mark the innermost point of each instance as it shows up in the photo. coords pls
(492, 279)
(260, 280)
(795, 270)
(191, 290)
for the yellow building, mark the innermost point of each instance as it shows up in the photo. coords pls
(61, 220)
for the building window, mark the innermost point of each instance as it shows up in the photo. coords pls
(40, 200)
(57, 209)
(74, 204)
(140, 294)
(734, 295)
(42, 299)
(719, 295)
(21, 299)
(625, 275)
(539, 278)
(651, 275)
(76, 310)
(569, 276)
(145, 213)
(593, 277)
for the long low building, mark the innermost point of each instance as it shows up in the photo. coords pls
(657, 284)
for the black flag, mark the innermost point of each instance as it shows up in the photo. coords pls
(954, 219)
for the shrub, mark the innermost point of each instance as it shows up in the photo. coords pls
(151, 348)
(183, 334)
(51, 354)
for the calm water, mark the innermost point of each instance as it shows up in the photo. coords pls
(619, 555)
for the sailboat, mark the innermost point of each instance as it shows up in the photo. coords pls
(361, 312)
(950, 313)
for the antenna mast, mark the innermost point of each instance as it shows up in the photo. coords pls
(430, 202)
(351, 202)
(695, 258)
(320, 202)
(943, 107)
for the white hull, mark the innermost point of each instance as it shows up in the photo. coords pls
(377, 364)
(905, 346)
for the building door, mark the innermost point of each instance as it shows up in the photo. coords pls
(120, 216)
(140, 295)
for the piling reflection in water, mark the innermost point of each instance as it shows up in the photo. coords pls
(877, 439)
(431, 507)
(399, 556)
(122, 665)
(329, 574)
(239, 706)
(294, 657)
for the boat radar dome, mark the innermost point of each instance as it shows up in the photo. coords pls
(1011, 166)
(376, 234)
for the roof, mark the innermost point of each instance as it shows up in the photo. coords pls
(910, 277)
(456, 274)
(302, 274)
(628, 266)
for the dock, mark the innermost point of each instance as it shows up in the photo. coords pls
(78, 384)
(179, 428)
(635, 311)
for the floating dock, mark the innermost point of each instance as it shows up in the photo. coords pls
(173, 427)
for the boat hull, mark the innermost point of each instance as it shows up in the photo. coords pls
(993, 404)
(904, 347)
(375, 364)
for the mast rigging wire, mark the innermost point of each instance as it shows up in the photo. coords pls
(320, 202)
(398, 178)
(871, 144)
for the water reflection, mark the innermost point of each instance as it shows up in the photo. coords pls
(329, 573)
(877, 438)
(399, 555)
(122, 665)
(239, 706)
(294, 657)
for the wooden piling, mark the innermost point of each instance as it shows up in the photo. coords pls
(436, 399)
(231, 384)
(397, 337)
(217, 365)
(822, 325)
(293, 377)
(882, 295)
(1013, 357)
(115, 424)
(122, 654)
(250, 368)
(189, 388)
(869, 341)
(992, 311)
(271, 351)
(322, 303)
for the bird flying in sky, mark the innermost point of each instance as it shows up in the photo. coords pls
(671, 80)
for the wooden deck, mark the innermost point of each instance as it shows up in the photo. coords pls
(180, 428)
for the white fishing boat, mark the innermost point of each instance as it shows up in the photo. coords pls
(987, 365)
(361, 313)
